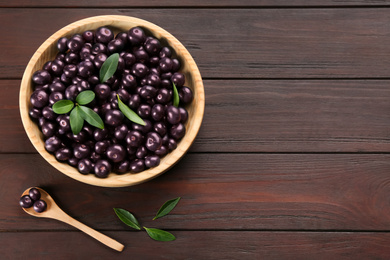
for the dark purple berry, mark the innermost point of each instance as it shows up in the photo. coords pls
(123, 166)
(57, 87)
(160, 128)
(75, 43)
(40, 206)
(113, 117)
(85, 166)
(175, 65)
(35, 112)
(141, 152)
(148, 92)
(34, 194)
(104, 35)
(102, 91)
(116, 152)
(62, 44)
(39, 98)
(143, 128)
(81, 151)
(178, 78)
(177, 131)
(139, 70)
(163, 96)
(183, 115)
(134, 138)
(152, 161)
(165, 64)
(100, 134)
(165, 52)
(101, 146)
(26, 202)
(162, 151)
(134, 101)
(83, 85)
(63, 154)
(41, 77)
(52, 144)
(123, 95)
(144, 110)
(88, 36)
(55, 96)
(49, 129)
(172, 144)
(73, 161)
(185, 95)
(63, 124)
(153, 141)
(102, 168)
(115, 46)
(173, 115)
(153, 46)
(140, 54)
(129, 59)
(121, 132)
(136, 36)
(71, 92)
(99, 59)
(85, 68)
(72, 58)
(57, 67)
(137, 165)
(158, 112)
(99, 48)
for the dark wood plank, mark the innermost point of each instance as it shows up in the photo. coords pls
(199, 245)
(265, 116)
(192, 4)
(268, 43)
(219, 191)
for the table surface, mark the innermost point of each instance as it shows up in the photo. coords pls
(293, 157)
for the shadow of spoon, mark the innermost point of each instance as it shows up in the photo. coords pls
(53, 211)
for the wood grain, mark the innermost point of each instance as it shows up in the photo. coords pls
(268, 43)
(203, 245)
(223, 191)
(265, 116)
(192, 4)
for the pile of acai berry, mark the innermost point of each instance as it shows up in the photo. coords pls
(111, 103)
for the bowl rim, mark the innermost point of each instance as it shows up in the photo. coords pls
(114, 180)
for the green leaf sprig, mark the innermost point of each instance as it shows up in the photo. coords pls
(79, 112)
(176, 98)
(166, 208)
(109, 67)
(154, 233)
(130, 114)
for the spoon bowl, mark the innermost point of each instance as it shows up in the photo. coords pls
(53, 211)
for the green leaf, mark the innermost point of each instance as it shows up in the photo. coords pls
(75, 120)
(63, 106)
(109, 67)
(130, 114)
(127, 218)
(176, 98)
(166, 208)
(85, 97)
(91, 117)
(159, 235)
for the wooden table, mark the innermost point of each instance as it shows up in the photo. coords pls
(293, 157)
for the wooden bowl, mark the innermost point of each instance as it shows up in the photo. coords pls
(47, 51)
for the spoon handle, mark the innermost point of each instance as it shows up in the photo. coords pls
(93, 233)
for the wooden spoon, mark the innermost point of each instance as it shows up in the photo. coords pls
(55, 212)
